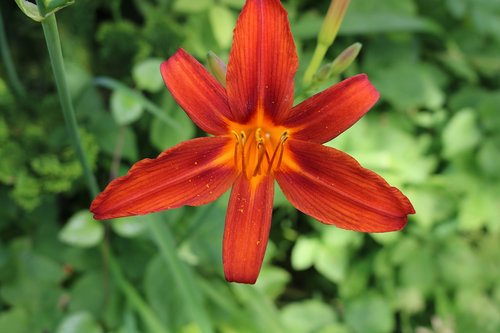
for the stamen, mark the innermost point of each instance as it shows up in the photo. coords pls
(243, 139)
(284, 137)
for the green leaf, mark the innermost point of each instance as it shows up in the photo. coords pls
(378, 22)
(369, 313)
(15, 320)
(461, 134)
(304, 252)
(132, 226)
(189, 7)
(82, 230)
(163, 136)
(147, 75)
(30, 9)
(222, 21)
(80, 322)
(307, 316)
(126, 108)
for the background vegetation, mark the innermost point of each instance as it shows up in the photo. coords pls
(435, 134)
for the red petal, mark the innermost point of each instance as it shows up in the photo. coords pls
(262, 63)
(329, 113)
(247, 228)
(197, 92)
(332, 187)
(193, 173)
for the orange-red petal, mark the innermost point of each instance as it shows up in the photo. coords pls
(193, 173)
(247, 228)
(262, 62)
(330, 112)
(332, 187)
(197, 92)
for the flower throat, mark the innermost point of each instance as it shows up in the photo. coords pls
(258, 151)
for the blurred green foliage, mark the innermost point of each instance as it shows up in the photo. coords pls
(435, 134)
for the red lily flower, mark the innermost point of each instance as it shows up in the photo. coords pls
(259, 137)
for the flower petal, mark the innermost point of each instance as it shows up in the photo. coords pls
(197, 92)
(247, 228)
(192, 173)
(332, 187)
(330, 112)
(262, 62)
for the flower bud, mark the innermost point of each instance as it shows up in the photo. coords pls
(217, 67)
(332, 21)
(345, 59)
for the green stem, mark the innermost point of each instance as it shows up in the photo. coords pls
(15, 83)
(182, 279)
(318, 56)
(51, 33)
(146, 103)
(135, 299)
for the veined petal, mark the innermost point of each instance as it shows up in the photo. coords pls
(197, 92)
(325, 115)
(262, 62)
(332, 187)
(192, 173)
(247, 228)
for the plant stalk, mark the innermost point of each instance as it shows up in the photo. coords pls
(49, 25)
(13, 78)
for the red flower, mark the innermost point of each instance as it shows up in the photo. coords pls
(259, 137)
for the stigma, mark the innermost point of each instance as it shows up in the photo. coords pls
(258, 150)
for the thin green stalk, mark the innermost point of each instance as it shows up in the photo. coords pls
(51, 33)
(182, 280)
(12, 76)
(146, 103)
(318, 56)
(149, 318)
(49, 25)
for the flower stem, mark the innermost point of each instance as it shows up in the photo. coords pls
(51, 33)
(318, 56)
(15, 83)
(182, 279)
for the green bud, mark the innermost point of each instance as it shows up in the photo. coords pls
(42, 8)
(217, 67)
(30, 9)
(345, 59)
(332, 22)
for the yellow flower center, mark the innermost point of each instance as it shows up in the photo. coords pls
(259, 149)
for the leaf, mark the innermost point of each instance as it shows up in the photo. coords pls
(461, 134)
(30, 9)
(126, 108)
(132, 226)
(80, 322)
(163, 136)
(189, 7)
(222, 21)
(369, 313)
(378, 22)
(307, 316)
(82, 230)
(147, 75)
(304, 252)
(15, 320)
